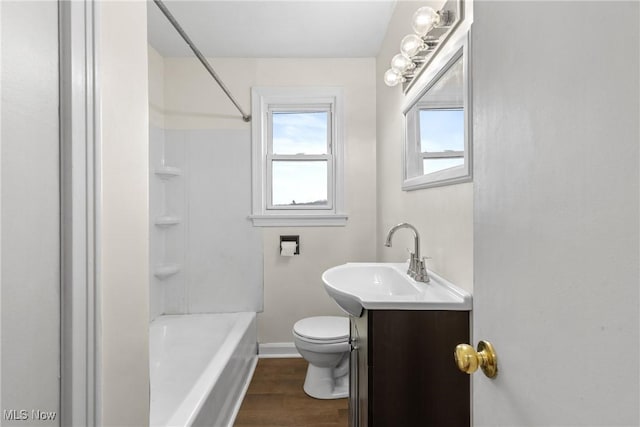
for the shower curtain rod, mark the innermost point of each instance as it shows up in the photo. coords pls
(203, 60)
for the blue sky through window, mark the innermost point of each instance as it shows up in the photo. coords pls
(299, 182)
(441, 130)
(300, 133)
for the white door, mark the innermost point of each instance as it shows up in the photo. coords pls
(556, 94)
(29, 227)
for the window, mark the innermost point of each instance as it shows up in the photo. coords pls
(297, 157)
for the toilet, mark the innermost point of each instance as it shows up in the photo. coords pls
(324, 342)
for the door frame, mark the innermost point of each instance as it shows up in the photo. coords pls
(79, 220)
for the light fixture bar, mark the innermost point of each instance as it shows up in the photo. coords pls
(203, 60)
(431, 28)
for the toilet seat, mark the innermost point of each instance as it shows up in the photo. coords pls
(322, 329)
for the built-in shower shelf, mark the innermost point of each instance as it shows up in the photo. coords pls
(167, 220)
(166, 172)
(166, 270)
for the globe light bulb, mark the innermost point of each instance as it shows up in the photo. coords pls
(424, 20)
(411, 45)
(392, 77)
(402, 63)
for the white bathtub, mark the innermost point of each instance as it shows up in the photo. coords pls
(200, 367)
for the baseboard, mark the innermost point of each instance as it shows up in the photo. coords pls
(277, 349)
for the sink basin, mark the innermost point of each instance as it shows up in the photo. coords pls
(386, 286)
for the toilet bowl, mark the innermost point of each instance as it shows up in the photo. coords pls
(324, 342)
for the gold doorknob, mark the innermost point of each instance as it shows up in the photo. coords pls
(468, 359)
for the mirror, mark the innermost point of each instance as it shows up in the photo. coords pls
(437, 132)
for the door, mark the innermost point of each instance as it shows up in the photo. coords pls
(555, 91)
(29, 227)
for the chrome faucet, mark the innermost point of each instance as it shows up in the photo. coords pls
(417, 269)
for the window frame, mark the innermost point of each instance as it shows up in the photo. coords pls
(266, 101)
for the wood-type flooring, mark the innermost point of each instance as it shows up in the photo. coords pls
(275, 399)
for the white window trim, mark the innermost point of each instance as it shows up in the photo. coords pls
(264, 98)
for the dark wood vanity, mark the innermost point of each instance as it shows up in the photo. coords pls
(403, 372)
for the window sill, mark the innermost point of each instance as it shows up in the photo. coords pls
(449, 176)
(306, 220)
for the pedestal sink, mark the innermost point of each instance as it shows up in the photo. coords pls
(386, 286)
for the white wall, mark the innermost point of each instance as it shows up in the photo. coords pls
(156, 88)
(124, 214)
(173, 239)
(217, 248)
(442, 215)
(224, 251)
(157, 235)
(292, 286)
(30, 210)
(158, 189)
(556, 136)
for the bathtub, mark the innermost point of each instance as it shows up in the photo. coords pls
(200, 367)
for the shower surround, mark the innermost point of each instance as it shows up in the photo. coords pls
(206, 256)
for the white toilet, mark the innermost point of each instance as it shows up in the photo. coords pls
(324, 342)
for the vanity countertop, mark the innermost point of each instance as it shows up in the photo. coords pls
(386, 286)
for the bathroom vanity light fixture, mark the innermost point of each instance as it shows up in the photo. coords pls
(430, 27)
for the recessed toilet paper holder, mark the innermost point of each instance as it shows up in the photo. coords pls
(295, 239)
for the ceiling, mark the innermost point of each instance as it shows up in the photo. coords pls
(272, 28)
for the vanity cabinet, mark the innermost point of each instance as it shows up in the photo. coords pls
(403, 371)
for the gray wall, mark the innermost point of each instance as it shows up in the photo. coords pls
(556, 211)
(30, 205)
